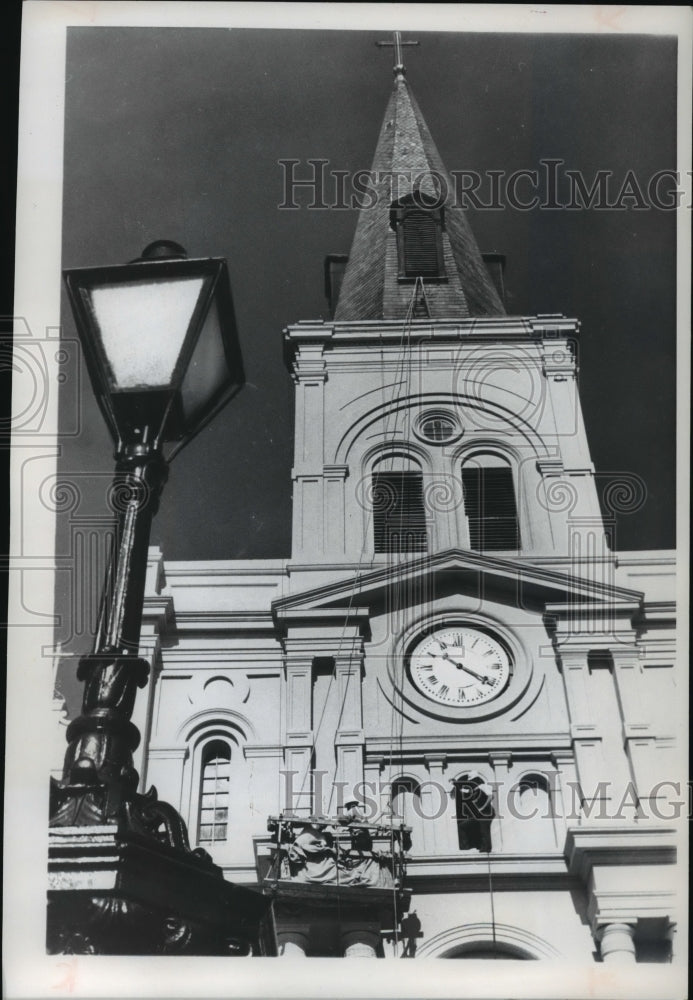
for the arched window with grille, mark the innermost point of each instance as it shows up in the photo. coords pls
(215, 779)
(489, 503)
(418, 222)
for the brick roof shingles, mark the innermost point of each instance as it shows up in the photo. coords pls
(370, 289)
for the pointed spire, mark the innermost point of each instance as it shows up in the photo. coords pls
(406, 164)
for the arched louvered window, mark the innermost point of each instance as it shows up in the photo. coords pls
(399, 512)
(489, 503)
(214, 792)
(418, 222)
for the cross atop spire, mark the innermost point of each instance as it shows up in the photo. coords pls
(397, 44)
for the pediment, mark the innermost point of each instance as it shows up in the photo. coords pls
(512, 581)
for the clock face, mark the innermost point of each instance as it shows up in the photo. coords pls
(460, 666)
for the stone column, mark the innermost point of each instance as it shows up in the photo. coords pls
(293, 943)
(361, 943)
(616, 944)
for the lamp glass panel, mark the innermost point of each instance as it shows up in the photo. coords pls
(142, 326)
(208, 370)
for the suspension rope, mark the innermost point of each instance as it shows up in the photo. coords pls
(490, 896)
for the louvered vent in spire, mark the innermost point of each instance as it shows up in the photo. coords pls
(439, 248)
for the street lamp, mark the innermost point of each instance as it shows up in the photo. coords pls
(161, 348)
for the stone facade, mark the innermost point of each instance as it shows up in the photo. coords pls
(298, 671)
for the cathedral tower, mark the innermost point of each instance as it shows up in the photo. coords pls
(427, 419)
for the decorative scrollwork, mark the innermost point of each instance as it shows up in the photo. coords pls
(557, 496)
(59, 495)
(125, 491)
(146, 816)
(71, 807)
(624, 493)
(376, 494)
(442, 494)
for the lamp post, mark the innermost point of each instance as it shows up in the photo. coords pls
(162, 352)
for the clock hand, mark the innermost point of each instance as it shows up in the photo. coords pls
(484, 678)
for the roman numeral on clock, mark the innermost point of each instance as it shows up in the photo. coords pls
(443, 690)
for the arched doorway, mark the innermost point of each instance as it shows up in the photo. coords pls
(488, 942)
(487, 950)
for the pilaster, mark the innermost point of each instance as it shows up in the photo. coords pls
(501, 764)
(639, 738)
(165, 765)
(435, 796)
(349, 739)
(585, 736)
(298, 713)
(334, 514)
(310, 375)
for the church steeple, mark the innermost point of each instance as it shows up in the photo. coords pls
(412, 230)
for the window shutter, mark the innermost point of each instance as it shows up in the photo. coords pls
(421, 245)
(399, 515)
(489, 500)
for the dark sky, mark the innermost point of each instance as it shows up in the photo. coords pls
(177, 133)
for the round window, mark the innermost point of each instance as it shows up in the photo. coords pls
(438, 427)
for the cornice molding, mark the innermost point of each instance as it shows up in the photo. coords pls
(587, 847)
(595, 596)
